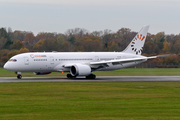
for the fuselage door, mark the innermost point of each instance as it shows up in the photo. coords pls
(52, 60)
(26, 60)
(96, 58)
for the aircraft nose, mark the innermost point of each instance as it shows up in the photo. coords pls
(6, 66)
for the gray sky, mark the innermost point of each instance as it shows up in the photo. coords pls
(93, 15)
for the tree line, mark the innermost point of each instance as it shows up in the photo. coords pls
(81, 40)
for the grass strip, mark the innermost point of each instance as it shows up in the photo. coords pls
(90, 101)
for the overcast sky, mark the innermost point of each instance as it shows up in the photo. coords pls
(93, 15)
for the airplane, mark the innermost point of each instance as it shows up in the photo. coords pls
(80, 63)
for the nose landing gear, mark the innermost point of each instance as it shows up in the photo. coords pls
(19, 76)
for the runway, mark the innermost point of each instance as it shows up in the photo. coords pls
(82, 79)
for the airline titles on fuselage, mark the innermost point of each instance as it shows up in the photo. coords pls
(32, 55)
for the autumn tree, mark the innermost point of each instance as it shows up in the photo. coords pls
(166, 46)
(3, 55)
(23, 50)
(2, 42)
(67, 47)
(12, 53)
(172, 60)
(89, 43)
(72, 39)
(148, 47)
(171, 39)
(4, 34)
(17, 45)
(159, 39)
(156, 49)
(38, 46)
(60, 42)
(76, 34)
(49, 45)
(29, 39)
(18, 35)
(97, 33)
(112, 46)
(176, 45)
(43, 35)
(126, 36)
(106, 38)
(46, 45)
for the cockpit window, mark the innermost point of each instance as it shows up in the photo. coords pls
(13, 60)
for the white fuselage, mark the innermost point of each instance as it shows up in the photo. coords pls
(55, 61)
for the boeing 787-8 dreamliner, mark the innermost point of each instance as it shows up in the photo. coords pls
(80, 63)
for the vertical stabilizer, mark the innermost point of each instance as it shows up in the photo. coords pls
(136, 45)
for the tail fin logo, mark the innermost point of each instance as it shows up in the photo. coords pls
(134, 44)
(140, 37)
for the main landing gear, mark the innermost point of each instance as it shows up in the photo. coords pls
(19, 76)
(91, 76)
(70, 76)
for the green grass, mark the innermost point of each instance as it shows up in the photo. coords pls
(90, 101)
(141, 72)
(121, 72)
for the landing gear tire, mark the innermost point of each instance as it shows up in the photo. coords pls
(70, 76)
(19, 76)
(91, 76)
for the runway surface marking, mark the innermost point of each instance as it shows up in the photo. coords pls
(98, 79)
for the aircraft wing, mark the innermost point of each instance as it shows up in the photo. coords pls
(122, 61)
(99, 63)
(117, 61)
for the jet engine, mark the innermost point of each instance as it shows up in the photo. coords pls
(41, 73)
(80, 70)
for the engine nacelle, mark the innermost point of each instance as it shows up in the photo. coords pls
(80, 70)
(41, 73)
